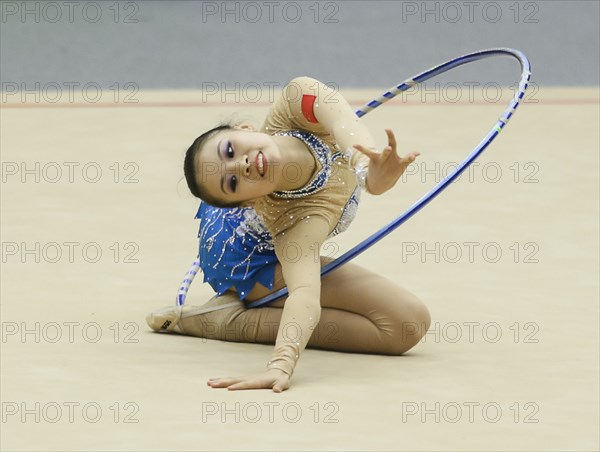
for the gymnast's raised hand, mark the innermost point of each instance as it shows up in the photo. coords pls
(385, 168)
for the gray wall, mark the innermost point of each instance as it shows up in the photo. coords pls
(159, 44)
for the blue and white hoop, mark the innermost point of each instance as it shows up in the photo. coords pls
(393, 92)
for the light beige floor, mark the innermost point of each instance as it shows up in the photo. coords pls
(511, 362)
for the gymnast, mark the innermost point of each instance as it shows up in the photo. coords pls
(270, 199)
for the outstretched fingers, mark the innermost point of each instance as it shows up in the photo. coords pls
(409, 158)
(223, 382)
(391, 138)
(368, 152)
(248, 384)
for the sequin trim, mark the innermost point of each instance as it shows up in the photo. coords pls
(348, 214)
(322, 153)
(361, 170)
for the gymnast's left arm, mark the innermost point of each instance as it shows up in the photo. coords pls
(324, 106)
(297, 249)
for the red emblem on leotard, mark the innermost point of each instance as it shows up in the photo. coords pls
(308, 101)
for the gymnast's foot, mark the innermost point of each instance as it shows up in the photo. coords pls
(165, 319)
(201, 321)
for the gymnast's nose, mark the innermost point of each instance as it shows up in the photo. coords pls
(241, 166)
(245, 165)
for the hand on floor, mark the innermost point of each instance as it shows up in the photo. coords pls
(272, 379)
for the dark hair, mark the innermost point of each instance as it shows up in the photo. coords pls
(190, 171)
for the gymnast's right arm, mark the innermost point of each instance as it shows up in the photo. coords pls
(298, 250)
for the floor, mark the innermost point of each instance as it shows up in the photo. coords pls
(98, 229)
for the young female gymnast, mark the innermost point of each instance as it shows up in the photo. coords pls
(270, 200)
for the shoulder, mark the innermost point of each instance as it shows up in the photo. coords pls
(293, 108)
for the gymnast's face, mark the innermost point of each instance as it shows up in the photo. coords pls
(238, 165)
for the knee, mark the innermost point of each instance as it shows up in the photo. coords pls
(419, 325)
(409, 326)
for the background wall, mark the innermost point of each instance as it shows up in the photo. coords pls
(183, 44)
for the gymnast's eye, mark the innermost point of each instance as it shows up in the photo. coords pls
(229, 150)
(233, 183)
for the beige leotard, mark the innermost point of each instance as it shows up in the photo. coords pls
(333, 193)
(336, 201)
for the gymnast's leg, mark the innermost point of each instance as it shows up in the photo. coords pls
(362, 312)
(367, 313)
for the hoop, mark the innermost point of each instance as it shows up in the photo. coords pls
(428, 197)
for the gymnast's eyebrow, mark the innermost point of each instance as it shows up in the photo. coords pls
(221, 158)
(219, 150)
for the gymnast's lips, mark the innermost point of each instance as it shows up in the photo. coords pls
(264, 163)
